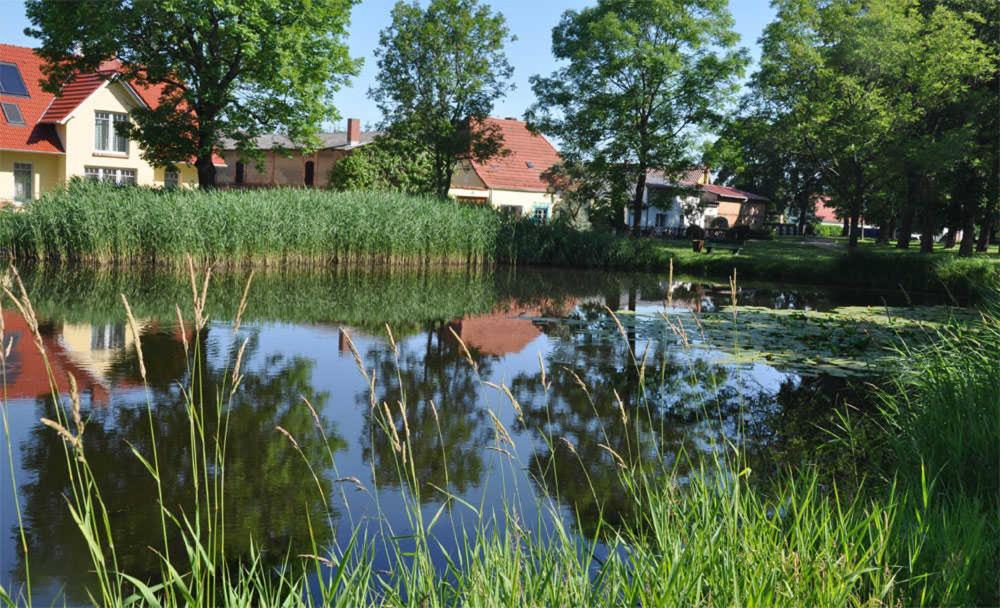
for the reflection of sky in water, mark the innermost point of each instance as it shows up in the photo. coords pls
(696, 398)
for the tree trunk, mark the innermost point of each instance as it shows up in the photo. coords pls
(986, 232)
(846, 230)
(637, 204)
(886, 230)
(967, 246)
(905, 226)
(951, 237)
(206, 171)
(854, 226)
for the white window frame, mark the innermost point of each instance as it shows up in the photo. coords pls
(115, 175)
(540, 214)
(110, 140)
(30, 169)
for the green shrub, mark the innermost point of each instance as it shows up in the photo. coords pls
(828, 231)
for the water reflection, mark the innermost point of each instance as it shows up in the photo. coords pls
(265, 487)
(510, 324)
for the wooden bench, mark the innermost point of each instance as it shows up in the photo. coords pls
(734, 246)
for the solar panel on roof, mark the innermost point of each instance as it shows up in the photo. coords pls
(13, 113)
(11, 82)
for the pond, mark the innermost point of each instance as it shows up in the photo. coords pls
(514, 385)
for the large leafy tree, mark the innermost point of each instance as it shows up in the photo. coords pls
(226, 69)
(862, 86)
(640, 77)
(386, 164)
(441, 70)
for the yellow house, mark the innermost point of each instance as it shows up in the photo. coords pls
(512, 182)
(46, 139)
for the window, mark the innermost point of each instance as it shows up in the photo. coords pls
(109, 132)
(661, 220)
(11, 82)
(540, 215)
(111, 174)
(512, 210)
(171, 178)
(310, 173)
(12, 113)
(24, 178)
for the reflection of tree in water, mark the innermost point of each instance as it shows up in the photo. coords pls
(268, 490)
(688, 405)
(436, 371)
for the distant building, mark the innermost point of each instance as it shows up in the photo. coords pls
(285, 163)
(513, 182)
(694, 199)
(46, 139)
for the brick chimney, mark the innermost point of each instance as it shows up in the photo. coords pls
(353, 131)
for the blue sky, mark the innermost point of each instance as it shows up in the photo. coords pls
(530, 20)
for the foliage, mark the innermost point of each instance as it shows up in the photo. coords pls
(105, 224)
(859, 88)
(441, 69)
(385, 165)
(221, 69)
(639, 78)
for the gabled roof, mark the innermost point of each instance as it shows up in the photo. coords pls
(692, 177)
(530, 156)
(732, 193)
(42, 110)
(336, 140)
(31, 136)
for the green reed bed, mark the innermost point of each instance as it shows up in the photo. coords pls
(104, 224)
(919, 529)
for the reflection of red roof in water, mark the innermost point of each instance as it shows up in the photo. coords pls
(505, 331)
(26, 375)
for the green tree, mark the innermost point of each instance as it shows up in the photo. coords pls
(640, 77)
(441, 69)
(225, 69)
(862, 87)
(386, 164)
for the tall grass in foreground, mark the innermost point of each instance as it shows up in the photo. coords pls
(922, 531)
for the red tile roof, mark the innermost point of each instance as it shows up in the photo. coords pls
(41, 110)
(530, 156)
(727, 192)
(31, 136)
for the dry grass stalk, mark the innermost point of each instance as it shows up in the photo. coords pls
(569, 445)
(198, 300)
(312, 410)
(180, 324)
(357, 355)
(621, 407)
(434, 410)
(503, 451)
(288, 436)
(733, 294)
(502, 435)
(134, 329)
(406, 423)
(465, 349)
(354, 481)
(74, 405)
(618, 459)
(393, 432)
(670, 285)
(579, 381)
(392, 340)
(237, 377)
(541, 366)
(243, 304)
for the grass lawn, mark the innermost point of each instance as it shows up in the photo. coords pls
(828, 261)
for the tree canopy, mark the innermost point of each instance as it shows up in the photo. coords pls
(440, 72)
(641, 77)
(226, 69)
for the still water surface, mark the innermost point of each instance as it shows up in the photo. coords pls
(510, 324)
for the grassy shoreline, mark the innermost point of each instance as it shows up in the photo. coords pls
(101, 225)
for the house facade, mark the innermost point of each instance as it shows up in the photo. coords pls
(285, 163)
(46, 139)
(511, 182)
(692, 199)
